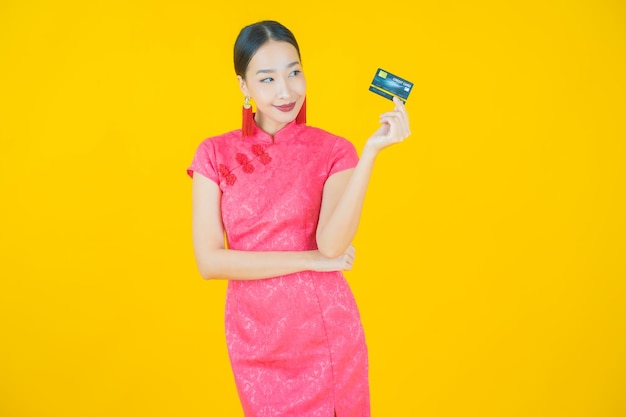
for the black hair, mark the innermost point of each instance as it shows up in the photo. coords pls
(253, 36)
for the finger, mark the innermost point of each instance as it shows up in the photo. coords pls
(396, 122)
(392, 116)
(400, 107)
(397, 102)
(397, 131)
(396, 114)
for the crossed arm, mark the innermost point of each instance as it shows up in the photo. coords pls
(342, 203)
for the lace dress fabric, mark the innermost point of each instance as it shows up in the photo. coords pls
(295, 342)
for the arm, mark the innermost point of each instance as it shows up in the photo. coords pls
(344, 192)
(215, 261)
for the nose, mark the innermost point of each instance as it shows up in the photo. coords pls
(282, 88)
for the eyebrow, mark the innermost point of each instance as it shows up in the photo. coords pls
(269, 71)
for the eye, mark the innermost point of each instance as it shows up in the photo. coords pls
(267, 80)
(294, 73)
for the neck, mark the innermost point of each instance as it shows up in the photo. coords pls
(268, 127)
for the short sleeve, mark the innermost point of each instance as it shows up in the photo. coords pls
(343, 156)
(204, 161)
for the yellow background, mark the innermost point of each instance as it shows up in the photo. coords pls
(491, 258)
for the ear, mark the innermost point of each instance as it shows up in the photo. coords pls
(243, 86)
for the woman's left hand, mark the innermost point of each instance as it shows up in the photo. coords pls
(394, 128)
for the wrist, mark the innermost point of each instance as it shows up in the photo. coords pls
(369, 154)
(310, 259)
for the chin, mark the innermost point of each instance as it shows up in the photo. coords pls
(286, 117)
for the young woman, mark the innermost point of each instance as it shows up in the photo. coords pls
(276, 205)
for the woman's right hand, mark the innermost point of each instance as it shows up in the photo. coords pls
(342, 262)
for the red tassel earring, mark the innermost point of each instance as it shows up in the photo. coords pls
(247, 126)
(301, 117)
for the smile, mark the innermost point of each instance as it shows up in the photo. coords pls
(286, 107)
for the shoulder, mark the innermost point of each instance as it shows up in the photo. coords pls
(215, 148)
(339, 152)
(320, 133)
(325, 137)
(221, 140)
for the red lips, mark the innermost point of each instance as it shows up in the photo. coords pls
(286, 107)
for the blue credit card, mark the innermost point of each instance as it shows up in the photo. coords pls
(389, 85)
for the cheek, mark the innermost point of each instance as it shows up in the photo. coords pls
(268, 99)
(300, 85)
(262, 95)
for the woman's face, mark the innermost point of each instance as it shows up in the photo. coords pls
(275, 81)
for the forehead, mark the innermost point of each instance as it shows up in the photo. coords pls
(274, 55)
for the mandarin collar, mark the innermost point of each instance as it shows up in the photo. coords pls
(286, 134)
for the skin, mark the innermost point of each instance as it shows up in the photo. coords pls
(273, 78)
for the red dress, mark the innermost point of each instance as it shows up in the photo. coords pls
(295, 342)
